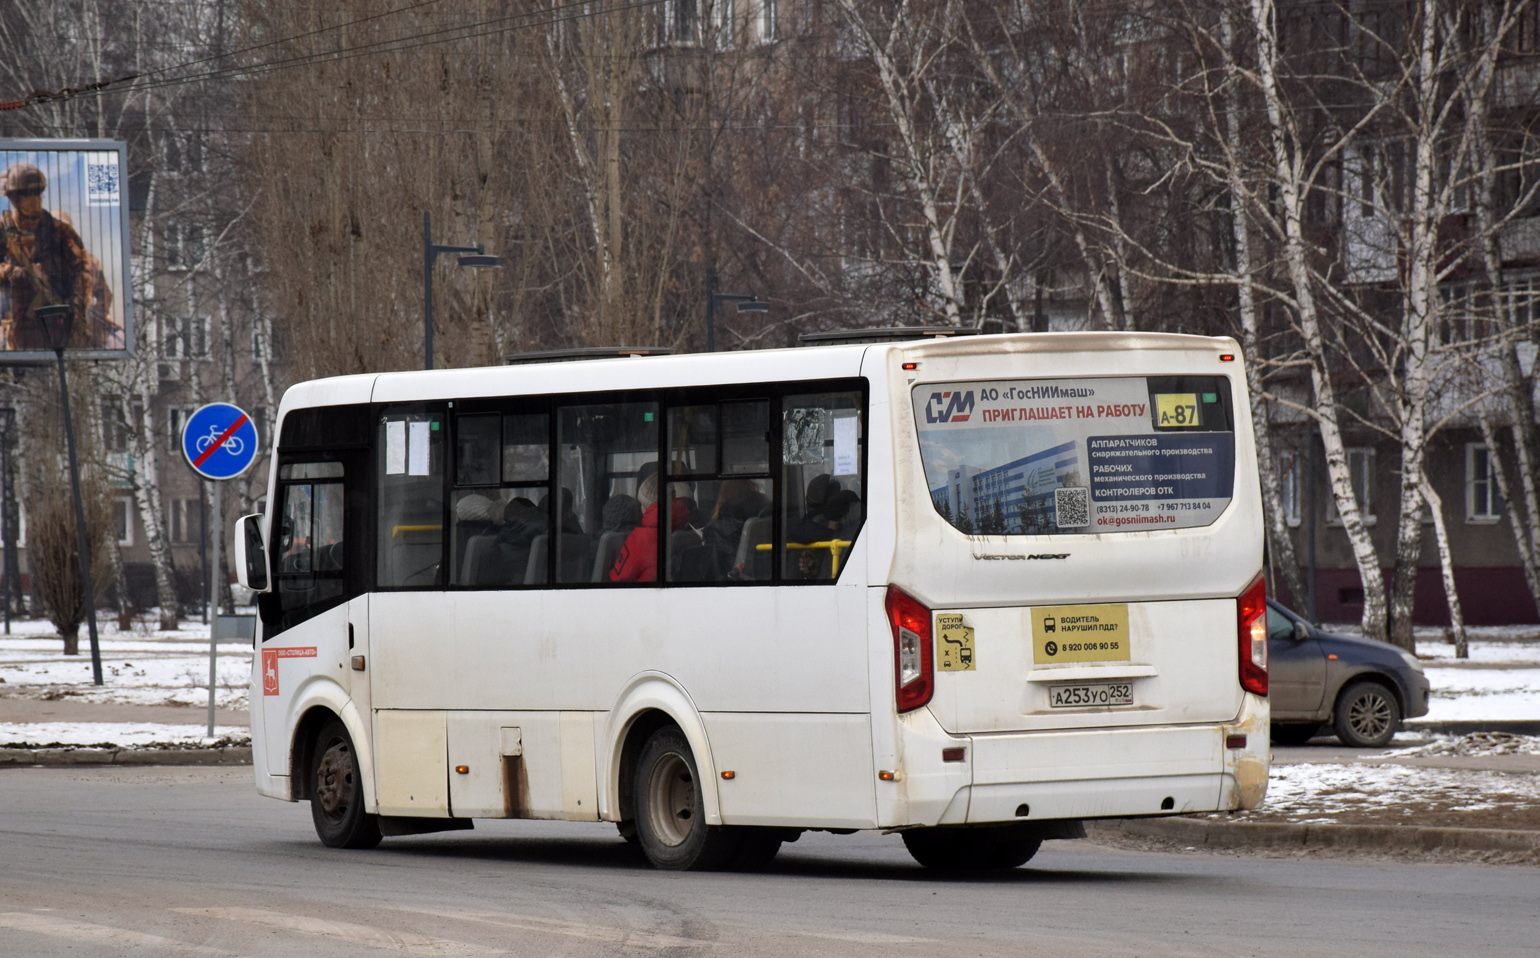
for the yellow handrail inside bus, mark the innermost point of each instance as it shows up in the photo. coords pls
(835, 547)
(397, 530)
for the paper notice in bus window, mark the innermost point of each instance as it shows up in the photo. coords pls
(845, 463)
(417, 450)
(395, 447)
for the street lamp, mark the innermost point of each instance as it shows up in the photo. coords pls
(747, 303)
(430, 252)
(56, 322)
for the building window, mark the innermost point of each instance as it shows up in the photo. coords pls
(184, 246)
(1361, 467)
(176, 420)
(765, 21)
(123, 519)
(185, 337)
(1291, 472)
(1483, 503)
(185, 514)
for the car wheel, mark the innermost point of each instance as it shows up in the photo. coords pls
(1294, 734)
(337, 792)
(670, 814)
(1367, 715)
(957, 849)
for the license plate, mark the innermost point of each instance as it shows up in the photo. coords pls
(1090, 696)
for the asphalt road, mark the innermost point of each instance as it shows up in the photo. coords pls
(166, 862)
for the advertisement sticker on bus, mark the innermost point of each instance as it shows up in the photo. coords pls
(1078, 455)
(1080, 633)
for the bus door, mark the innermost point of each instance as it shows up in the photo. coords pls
(309, 617)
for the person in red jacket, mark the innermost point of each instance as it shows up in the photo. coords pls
(638, 559)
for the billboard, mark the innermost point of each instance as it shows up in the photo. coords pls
(64, 226)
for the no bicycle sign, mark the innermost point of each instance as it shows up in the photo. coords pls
(219, 441)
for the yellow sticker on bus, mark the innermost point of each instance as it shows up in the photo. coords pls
(1176, 410)
(1079, 633)
(954, 646)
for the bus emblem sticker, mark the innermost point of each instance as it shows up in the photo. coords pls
(270, 659)
(955, 647)
(1079, 633)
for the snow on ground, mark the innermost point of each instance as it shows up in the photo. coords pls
(1326, 794)
(139, 667)
(116, 735)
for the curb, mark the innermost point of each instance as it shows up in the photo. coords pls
(1212, 834)
(1469, 727)
(125, 756)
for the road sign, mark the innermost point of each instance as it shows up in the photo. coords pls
(219, 441)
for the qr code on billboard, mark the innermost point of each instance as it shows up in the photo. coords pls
(1072, 507)
(102, 182)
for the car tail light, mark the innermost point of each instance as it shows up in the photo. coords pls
(1251, 609)
(913, 664)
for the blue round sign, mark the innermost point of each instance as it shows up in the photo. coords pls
(219, 441)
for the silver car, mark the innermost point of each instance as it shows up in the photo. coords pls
(1362, 688)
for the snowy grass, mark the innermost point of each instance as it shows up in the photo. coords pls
(117, 735)
(138, 667)
(1322, 794)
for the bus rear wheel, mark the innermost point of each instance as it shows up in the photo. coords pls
(670, 813)
(337, 792)
(957, 849)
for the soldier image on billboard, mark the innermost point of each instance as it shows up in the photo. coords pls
(103, 330)
(45, 263)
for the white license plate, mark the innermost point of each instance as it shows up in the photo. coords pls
(1090, 696)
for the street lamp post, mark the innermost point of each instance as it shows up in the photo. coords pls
(747, 303)
(430, 253)
(56, 322)
(8, 512)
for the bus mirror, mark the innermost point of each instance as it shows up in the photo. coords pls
(250, 554)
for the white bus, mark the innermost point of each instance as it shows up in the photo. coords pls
(974, 591)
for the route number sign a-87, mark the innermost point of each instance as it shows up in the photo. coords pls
(1176, 409)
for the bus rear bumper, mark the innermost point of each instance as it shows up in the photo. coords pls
(1097, 773)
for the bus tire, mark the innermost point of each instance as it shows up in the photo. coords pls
(959, 849)
(670, 813)
(337, 791)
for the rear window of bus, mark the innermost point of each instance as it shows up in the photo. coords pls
(1077, 456)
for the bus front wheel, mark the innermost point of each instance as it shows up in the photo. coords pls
(337, 793)
(670, 814)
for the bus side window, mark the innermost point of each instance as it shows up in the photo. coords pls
(606, 494)
(411, 499)
(822, 466)
(725, 498)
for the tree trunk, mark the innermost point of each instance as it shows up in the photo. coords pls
(1446, 563)
(1286, 177)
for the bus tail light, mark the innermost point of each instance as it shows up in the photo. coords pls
(914, 676)
(1251, 610)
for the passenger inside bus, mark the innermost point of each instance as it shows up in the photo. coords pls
(738, 502)
(638, 558)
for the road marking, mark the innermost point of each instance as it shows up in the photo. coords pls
(58, 927)
(369, 935)
(570, 929)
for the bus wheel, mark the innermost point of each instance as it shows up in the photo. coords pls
(955, 849)
(670, 814)
(337, 799)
